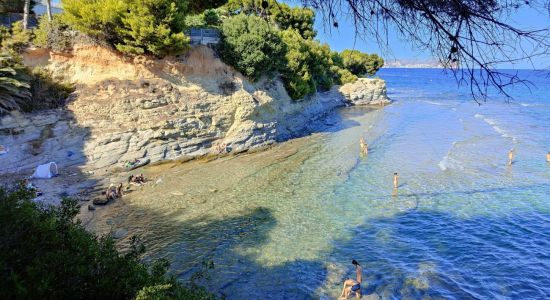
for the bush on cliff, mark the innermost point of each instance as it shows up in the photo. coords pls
(307, 67)
(54, 34)
(360, 63)
(286, 17)
(251, 45)
(133, 27)
(15, 93)
(45, 253)
(16, 39)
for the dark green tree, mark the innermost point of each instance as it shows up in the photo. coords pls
(133, 26)
(361, 64)
(15, 93)
(300, 19)
(251, 45)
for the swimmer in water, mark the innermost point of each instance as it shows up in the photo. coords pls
(351, 285)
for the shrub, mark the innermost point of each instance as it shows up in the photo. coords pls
(198, 6)
(297, 18)
(15, 91)
(18, 40)
(309, 66)
(360, 63)
(251, 45)
(154, 27)
(54, 34)
(97, 18)
(210, 18)
(4, 33)
(47, 254)
(134, 27)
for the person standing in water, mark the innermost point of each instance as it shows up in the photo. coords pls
(395, 180)
(511, 156)
(364, 146)
(351, 285)
(548, 157)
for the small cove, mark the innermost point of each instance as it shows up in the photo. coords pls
(285, 223)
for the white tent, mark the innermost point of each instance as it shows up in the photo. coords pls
(48, 170)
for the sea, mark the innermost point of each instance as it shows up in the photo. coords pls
(285, 223)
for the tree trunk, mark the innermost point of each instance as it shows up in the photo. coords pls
(26, 9)
(49, 9)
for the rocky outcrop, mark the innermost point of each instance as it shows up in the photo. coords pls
(366, 91)
(162, 109)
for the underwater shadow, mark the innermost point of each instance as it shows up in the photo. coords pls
(427, 254)
(233, 245)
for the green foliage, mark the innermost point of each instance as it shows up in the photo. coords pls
(310, 66)
(360, 63)
(199, 6)
(134, 27)
(300, 19)
(54, 34)
(98, 18)
(210, 18)
(4, 33)
(15, 91)
(18, 40)
(251, 45)
(47, 254)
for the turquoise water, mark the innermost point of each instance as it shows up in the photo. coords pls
(285, 223)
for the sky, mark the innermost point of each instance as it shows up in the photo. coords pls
(344, 37)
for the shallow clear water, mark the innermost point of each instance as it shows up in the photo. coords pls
(285, 223)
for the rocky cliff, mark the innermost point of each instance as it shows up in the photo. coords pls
(173, 108)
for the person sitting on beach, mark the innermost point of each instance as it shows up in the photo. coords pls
(140, 178)
(111, 192)
(119, 191)
(137, 179)
(351, 285)
(511, 156)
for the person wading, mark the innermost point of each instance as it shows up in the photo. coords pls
(511, 156)
(351, 285)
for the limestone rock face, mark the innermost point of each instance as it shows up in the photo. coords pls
(366, 92)
(162, 110)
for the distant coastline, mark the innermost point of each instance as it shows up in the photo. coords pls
(413, 64)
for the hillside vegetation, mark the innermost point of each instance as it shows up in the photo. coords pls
(258, 38)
